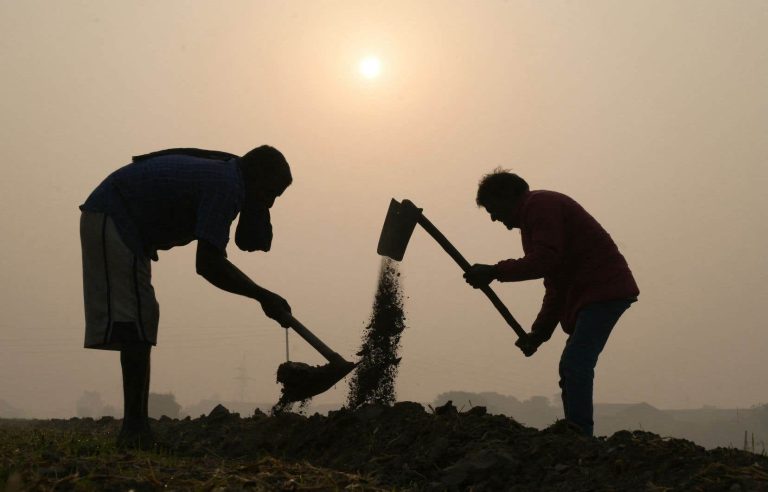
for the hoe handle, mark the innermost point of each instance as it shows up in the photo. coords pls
(311, 339)
(464, 264)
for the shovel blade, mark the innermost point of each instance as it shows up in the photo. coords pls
(398, 227)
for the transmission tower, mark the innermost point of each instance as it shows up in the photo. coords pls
(242, 378)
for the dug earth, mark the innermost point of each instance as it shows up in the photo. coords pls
(406, 446)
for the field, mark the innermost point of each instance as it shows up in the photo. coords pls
(376, 447)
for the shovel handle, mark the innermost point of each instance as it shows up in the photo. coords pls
(464, 264)
(311, 339)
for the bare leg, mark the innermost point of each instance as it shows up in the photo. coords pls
(145, 402)
(134, 359)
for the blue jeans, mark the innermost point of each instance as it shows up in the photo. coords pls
(577, 364)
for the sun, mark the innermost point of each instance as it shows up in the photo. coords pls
(370, 67)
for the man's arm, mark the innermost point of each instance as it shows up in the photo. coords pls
(546, 321)
(545, 223)
(550, 312)
(213, 266)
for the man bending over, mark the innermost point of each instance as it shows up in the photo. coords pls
(159, 201)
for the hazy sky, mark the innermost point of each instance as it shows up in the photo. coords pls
(652, 114)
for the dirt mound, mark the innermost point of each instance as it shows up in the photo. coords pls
(401, 446)
(80, 454)
(405, 446)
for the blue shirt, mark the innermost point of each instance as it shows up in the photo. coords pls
(171, 200)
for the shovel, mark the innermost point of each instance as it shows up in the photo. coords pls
(301, 381)
(399, 224)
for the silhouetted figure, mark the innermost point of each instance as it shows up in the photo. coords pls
(161, 200)
(588, 282)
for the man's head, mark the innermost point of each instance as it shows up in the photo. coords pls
(267, 175)
(498, 192)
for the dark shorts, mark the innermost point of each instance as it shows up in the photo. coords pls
(120, 304)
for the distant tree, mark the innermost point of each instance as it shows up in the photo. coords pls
(8, 411)
(537, 404)
(498, 403)
(89, 404)
(109, 411)
(460, 399)
(537, 411)
(163, 404)
(494, 402)
(761, 413)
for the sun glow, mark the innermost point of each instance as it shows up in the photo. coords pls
(370, 67)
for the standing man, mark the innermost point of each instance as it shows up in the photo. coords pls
(159, 201)
(588, 282)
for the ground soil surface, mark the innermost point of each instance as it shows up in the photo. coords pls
(374, 447)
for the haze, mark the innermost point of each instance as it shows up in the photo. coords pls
(652, 114)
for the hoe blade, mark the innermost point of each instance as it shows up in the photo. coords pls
(397, 230)
(301, 381)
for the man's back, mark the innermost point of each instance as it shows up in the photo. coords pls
(587, 248)
(581, 259)
(170, 200)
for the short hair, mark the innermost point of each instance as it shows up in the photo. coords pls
(500, 183)
(266, 161)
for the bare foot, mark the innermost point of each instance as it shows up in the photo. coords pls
(142, 439)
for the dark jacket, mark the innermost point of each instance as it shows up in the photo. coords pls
(569, 249)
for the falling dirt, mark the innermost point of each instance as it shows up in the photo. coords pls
(374, 378)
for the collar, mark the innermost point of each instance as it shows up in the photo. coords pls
(517, 209)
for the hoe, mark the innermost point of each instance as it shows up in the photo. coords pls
(399, 224)
(301, 381)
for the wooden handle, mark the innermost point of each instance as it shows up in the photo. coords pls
(464, 264)
(311, 339)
